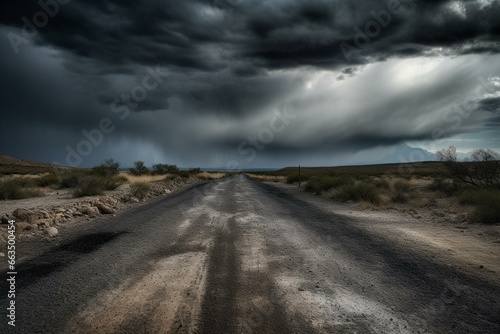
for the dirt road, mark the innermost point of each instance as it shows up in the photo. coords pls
(238, 256)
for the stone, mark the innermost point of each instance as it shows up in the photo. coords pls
(21, 226)
(52, 231)
(23, 215)
(104, 209)
(90, 211)
(133, 199)
(45, 222)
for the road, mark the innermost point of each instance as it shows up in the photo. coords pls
(239, 256)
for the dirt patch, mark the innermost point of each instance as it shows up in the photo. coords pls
(167, 298)
(448, 238)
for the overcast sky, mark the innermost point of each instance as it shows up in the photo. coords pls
(246, 84)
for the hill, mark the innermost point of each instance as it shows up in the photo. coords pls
(10, 165)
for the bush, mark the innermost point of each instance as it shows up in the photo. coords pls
(108, 168)
(89, 186)
(358, 192)
(487, 202)
(399, 192)
(445, 186)
(139, 169)
(195, 170)
(69, 181)
(184, 174)
(47, 180)
(112, 182)
(292, 178)
(382, 184)
(139, 189)
(317, 184)
(18, 188)
(160, 169)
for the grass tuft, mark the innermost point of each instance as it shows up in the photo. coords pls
(140, 189)
(358, 192)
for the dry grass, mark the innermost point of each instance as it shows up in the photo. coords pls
(268, 178)
(211, 176)
(143, 178)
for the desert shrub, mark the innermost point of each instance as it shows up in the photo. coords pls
(195, 170)
(382, 184)
(399, 191)
(292, 178)
(170, 177)
(112, 182)
(183, 173)
(139, 189)
(447, 187)
(160, 169)
(476, 196)
(47, 180)
(108, 168)
(358, 192)
(317, 184)
(139, 169)
(18, 188)
(89, 186)
(69, 181)
(487, 204)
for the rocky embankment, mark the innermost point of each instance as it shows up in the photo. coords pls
(44, 221)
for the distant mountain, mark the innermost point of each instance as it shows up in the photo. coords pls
(406, 153)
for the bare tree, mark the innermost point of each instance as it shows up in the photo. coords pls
(481, 170)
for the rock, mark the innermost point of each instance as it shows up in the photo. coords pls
(90, 211)
(52, 232)
(104, 209)
(133, 199)
(45, 222)
(21, 226)
(23, 215)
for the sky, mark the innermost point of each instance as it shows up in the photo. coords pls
(246, 84)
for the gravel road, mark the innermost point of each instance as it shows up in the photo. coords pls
(238, 256)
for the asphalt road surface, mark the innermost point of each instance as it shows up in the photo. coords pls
(238, 256)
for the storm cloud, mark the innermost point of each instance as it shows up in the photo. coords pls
(248, 83)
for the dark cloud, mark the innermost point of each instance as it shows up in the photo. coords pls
(345, 67)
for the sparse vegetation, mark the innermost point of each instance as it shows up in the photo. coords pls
(358, 192)
(48, 180)
(162, 169)
(183, 173)
(318, 184)
(382, 184)
(211, 176)
(89, 186)
(18, 188)
(399, 193)
(487, 202)
(139, 189)
(139, 169)
(108, 168)
(295, 177)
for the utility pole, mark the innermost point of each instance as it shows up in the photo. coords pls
(299, 176)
